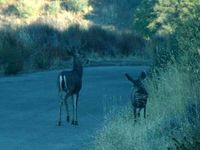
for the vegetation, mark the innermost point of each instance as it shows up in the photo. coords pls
(42, 30)
(168, 30)
(76, 6)
(11, 54)
(173, 113)
(42, 44)
(163, 17)
(172, 29)
(28, 9)
(54, 7)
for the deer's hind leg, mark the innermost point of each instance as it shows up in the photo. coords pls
(145, 111)
(66, 106)
(60, 111)
(62, 101)
(135, 113)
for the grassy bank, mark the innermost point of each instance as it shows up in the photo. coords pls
(173, 114)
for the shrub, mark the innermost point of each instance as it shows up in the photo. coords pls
(11, 53)
(76, 5)
(42, 60)
(43, 43)
(54, 7)
(165, 51)
(131, 44)
(27, 9)
(100, 41)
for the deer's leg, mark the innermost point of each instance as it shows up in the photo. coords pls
(59, 118)
(66, 106)
(76, 108)
(139, 112)
(134, 112)
(144, 111)
(75, 102)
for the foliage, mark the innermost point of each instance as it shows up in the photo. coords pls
(54, 7)
(11, 54)
(100, 40)
(163, 16)
(76, 5)
(28, 8)
(143, 15)
(166, 22)
(42, 44)
(188, 38)
(169, 13)
(131, 44)
(164, 50)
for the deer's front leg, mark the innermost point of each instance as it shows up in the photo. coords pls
(73, 104)
(76, 109)
(60, 111)
(74, 117)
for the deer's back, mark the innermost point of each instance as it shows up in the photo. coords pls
(70, 81)
(139, 98)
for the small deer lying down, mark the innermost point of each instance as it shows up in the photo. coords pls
(139, 94)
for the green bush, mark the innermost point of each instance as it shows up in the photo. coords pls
(188, 39)
(54, 7)
(43, 43)
(165, 51)
(131, 44)
(76, 5)
(11, 53)
(42, 60)
(26, 9)
(100, 41)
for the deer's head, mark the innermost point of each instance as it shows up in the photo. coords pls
(79, 57)
(137, 83)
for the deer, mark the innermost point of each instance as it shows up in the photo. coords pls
(139, 94)
(70, 84)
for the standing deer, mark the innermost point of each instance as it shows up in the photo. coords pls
(139, 94)
(70, 84)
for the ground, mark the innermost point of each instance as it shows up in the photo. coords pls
(29, 108)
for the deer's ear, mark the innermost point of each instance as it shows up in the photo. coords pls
(129, 77)
(143, 75)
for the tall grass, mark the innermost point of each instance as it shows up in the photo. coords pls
(173, 113)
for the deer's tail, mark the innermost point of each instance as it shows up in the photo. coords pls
(60, 83)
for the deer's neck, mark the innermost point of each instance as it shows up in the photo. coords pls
(77, 66)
